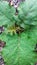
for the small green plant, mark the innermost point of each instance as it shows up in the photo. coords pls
(18, 33)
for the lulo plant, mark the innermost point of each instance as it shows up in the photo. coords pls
(18, 39)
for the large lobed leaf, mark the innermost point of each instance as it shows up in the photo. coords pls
(19, 49)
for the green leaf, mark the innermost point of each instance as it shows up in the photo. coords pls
(19, 49)
(6, 13)
(28, 12)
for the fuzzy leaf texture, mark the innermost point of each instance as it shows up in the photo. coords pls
(19, 50)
